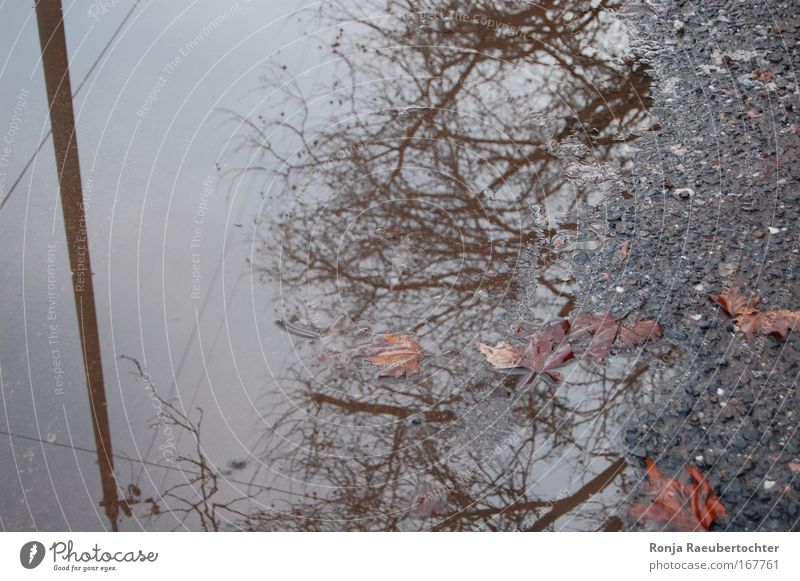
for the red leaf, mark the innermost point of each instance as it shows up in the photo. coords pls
(548, 349)
(601, 327)
(683, 506)
(638, 334)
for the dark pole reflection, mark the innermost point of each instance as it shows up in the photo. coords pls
(62, 119)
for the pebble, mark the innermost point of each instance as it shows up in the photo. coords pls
(773, 230)
(675, 335)
(769, 484)
(580, 258)
(726, 269)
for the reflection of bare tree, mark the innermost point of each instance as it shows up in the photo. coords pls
(405, 177)
(404, 187)
(461, 464)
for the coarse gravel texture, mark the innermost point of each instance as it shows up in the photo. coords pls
(713, 202)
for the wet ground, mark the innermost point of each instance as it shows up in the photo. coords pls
(265, 191)
(715, 205)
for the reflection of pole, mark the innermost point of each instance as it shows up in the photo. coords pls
(595, 485)
(62, 120)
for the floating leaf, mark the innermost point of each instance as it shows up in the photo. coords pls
(601, 327)
(638, 333)
(683, 506)
(398, 355)
(546, 350)
(554, 345)
(504, 355)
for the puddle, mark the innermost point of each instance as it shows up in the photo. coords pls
(404, 172)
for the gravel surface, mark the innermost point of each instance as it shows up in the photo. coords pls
(714, 203)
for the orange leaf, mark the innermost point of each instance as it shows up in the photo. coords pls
(399, 355)
(734, 303)
(705, 504)
(684, 507)
(748, 318)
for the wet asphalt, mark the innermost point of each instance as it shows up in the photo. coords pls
(712, 202)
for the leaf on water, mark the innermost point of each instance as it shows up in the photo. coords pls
(554, 345)
(683, 506)
(747, 317)
(398, 355)
(545, 350)
(638, 333)
(504, 355)
(548, 349)
(601, 327)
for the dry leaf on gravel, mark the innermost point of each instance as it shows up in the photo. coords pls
(750, 320)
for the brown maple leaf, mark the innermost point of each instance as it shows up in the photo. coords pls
(734, 303)
(638, 333)
(548, 349)
(775, 322)
(545, 350)
(397, 355)
(601, 327)
(750, 320)
(683, 506)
